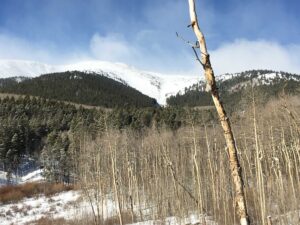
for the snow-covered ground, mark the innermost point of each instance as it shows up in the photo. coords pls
(58, 206)
(193, 219)
(36, 175)
(70, 205)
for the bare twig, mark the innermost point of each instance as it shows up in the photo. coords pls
(188, 42)
(194, 46)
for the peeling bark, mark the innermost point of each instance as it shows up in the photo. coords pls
(230, 142)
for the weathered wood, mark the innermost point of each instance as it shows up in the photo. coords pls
(230, 142)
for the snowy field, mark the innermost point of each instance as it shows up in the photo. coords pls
(71, 205)
(67, 205)
(58, 206)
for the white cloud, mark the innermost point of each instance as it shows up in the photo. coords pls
(237, 56)
(16, 48)
(142, 52)
(112, 47)
(12, 47)
(242, 55)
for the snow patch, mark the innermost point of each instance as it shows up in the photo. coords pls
(34, 176)
(32, 209)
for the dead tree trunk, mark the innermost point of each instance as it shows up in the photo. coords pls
(230, 142)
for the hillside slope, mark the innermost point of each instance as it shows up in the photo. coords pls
(78, 87)
(155, 85)
(236, 89)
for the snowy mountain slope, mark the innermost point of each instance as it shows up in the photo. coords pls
(237, 81)
(155, 85)
(265, 76)
(15, 68)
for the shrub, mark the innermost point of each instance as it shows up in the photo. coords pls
(10, 194)
(57, 188)
(16, 193)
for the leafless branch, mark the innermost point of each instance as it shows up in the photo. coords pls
(197, 57)
(188, 42)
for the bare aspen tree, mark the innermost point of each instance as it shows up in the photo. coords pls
(230, 142)
(258, 163)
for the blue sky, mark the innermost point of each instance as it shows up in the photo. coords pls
(241, 34)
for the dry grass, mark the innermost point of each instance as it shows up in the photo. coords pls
(9, 194)
(57, 188)
(83, 221)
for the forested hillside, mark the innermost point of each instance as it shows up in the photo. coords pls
(38, 127)
(41, 128)
(236, 89)
(78, 87)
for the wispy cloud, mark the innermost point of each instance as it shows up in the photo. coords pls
(236, 56)
(112, 47)
(243, 55)
(12, 47)
(142, 52)
(17, 48)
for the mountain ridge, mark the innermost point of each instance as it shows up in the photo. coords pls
(78, 87)
(155, 85)
(236, 88)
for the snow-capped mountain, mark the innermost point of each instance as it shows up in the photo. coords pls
(155, 85)
(236, 81)
(259, 76)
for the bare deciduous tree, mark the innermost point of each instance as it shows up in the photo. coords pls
(230, 142)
